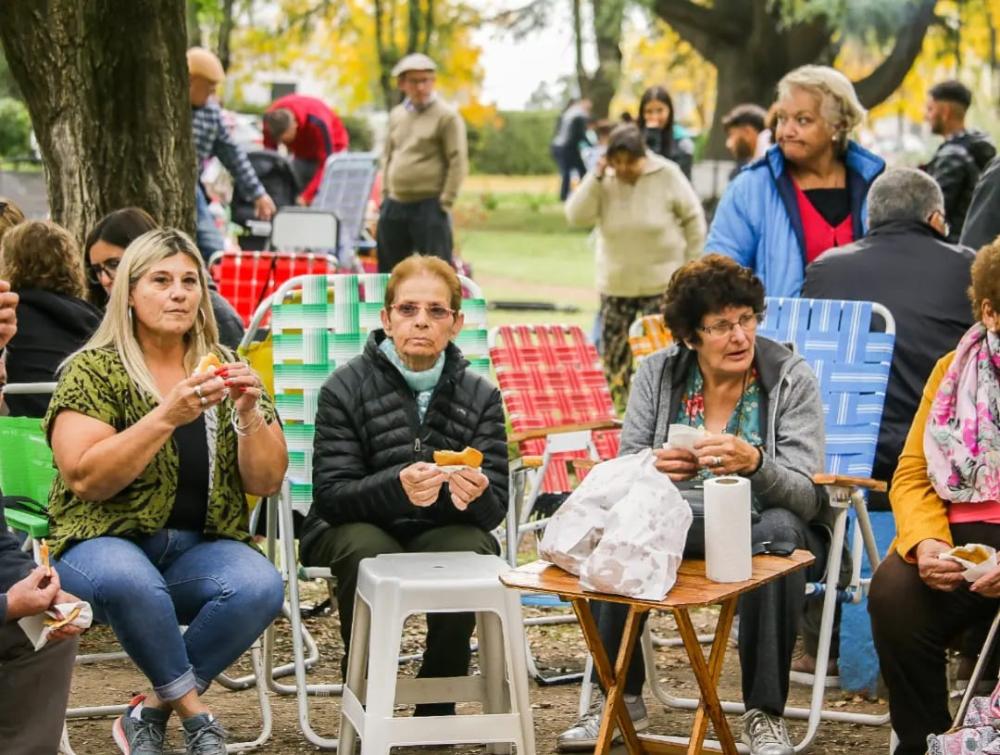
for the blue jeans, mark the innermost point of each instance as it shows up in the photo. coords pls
(225, 591)
(207, 235)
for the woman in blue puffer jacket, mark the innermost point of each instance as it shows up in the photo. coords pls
(808, 193)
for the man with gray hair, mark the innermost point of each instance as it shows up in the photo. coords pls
(906, 264)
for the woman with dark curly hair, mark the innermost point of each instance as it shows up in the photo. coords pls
(42, 262)
(945, 492)
(760, 407)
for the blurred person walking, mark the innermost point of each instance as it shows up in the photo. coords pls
(570, 135)
(961, 157)
(426, 159)
(663, 136)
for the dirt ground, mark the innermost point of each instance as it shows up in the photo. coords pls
(557, 648)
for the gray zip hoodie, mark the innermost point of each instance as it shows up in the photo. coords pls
(793, 435)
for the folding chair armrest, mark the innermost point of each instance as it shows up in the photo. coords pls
(542, 432)
(530, 462)
(584, 465)
(825, 478)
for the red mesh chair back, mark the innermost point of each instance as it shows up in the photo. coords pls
(245, 279)
(551, 375)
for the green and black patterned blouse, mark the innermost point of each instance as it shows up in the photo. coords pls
(96, 384)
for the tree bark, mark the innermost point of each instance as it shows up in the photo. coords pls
(752, 47)
(106, 85)
(601, 85)
(226, 24)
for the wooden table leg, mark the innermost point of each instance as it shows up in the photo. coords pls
(613, 681)
(707, 676)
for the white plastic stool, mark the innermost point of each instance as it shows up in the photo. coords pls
(391, 587)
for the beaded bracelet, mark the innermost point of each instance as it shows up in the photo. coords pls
(250, 427)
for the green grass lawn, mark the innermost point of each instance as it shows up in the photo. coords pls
(521, 249)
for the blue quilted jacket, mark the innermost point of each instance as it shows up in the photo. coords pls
(757, 222)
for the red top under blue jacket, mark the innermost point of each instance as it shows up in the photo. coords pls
(760, 224)
(318, 135)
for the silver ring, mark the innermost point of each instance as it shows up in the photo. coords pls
(197, 391)
(717, 461)
(204, 401)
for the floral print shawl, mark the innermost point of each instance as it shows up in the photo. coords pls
(962, 437)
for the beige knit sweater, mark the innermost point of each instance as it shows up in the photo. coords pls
(425, 154)
(644, 232)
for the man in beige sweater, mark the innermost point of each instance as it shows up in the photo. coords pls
(425, 161)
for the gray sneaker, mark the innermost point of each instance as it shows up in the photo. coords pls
(204, 735)
(140, 736)
(582, 736)
(765, 734)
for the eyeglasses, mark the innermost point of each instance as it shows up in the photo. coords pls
(724, 328)
(109, 269)
(434, 311)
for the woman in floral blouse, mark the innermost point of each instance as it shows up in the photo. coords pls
(760, 407)
(946, 492)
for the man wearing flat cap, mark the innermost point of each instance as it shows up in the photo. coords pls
(425, 161)
(212, 139)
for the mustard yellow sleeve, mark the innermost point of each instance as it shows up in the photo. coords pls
(919, 512)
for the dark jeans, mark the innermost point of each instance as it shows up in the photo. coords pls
(406, 228)
(912, 625)
(769, 618)
(34, 688)
(207, 235)
(343, 547)
(569, 160)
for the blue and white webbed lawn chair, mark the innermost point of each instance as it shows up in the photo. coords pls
(851, 362)
(320, 322)
(344, 190)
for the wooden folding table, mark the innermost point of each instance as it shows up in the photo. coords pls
(692, 590)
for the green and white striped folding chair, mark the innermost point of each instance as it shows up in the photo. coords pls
(319, 323)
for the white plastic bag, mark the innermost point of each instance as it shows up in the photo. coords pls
(643, 542)
(576, 527)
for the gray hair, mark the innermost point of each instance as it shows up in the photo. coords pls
(903, 194)
(839, 103)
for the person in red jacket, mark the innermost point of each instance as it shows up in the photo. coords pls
(311, 131)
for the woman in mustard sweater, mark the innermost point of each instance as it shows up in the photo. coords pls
(649, 222)
(946, 492)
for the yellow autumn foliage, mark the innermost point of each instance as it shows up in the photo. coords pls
(338, 46)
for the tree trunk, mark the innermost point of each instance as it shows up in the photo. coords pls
(226, 24)
(752, 47)
(608, 18)
(106, 85)
(193, 27)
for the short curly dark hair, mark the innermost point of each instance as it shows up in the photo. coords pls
(986, 279)
(706, 285)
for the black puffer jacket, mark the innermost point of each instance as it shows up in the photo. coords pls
(367, 430)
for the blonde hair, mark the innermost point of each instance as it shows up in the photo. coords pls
(40, 254)
(117, 331)
(839, 104)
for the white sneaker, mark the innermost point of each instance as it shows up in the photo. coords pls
(582, 736)
(765, 734)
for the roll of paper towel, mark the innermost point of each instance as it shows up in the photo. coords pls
(727, 529)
